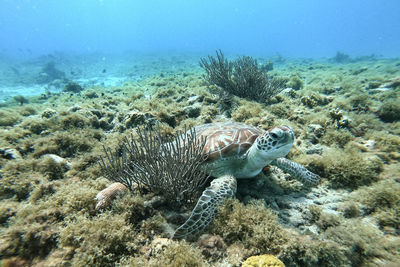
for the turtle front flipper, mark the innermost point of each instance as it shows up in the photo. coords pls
(298, 171)
(207, 206)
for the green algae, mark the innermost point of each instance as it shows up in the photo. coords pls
(348, 168)
(252, 225)
(9, 117)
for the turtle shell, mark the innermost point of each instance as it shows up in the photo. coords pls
(227, 139)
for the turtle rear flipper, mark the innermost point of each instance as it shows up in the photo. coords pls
(207, 206)
(297, 170)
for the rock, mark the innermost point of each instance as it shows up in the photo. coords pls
(193, 111)
(341, 120)
(73, 87)
(315, 150)
(365, 146)
(159, 244)
(105, 125)
(59, 160)
(91, 94)
(392, 83)
(10, 153)
(212, 246)
(135, 118)
(316, 129)
(344, 122)
(74, 108)
(289, 92)
(154, 202)
(336, 114)
(48, 113)
(193, 99)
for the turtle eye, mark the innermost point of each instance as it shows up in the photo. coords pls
(274, 135)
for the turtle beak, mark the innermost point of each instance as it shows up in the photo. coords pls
(283, 135)
(290, 133)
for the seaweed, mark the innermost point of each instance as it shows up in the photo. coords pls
(49, 73)
(252, 225)
(73, 87)
(9, 117)
(341, 58)
(306, 251)
(389, 111)
(295, 82)
(64, 143)
(51, 169)
(347, 168)
(20, 99)
(361, 242)
(179, 254)
(98, 241)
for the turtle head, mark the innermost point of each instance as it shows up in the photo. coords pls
(276, 142)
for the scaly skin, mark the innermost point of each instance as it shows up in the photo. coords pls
(207, 206)
(297, 170)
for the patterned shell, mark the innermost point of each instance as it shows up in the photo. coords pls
(227, 139)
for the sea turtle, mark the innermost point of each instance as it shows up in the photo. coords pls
(235, 150)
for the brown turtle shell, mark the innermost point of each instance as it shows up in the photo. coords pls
(227, 139)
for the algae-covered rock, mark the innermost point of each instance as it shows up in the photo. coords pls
(212, 246)
(48, 113)
(73, 87)
(9, 117)
(389, 111)
(252, 225)
(348, 168)
(263, 261)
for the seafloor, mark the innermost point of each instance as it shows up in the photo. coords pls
(345, 115)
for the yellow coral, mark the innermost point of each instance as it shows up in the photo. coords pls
(263, 261)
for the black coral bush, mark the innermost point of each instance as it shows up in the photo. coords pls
(242, 77)
(167, 168)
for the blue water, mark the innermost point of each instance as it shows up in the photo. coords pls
(294, 28)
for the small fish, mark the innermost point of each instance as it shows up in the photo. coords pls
(104, 71)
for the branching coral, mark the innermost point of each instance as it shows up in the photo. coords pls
(242, 77)
(152, 165)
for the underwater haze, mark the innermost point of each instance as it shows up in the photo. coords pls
(309, 28)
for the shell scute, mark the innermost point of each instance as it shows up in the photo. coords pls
(224, 140)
